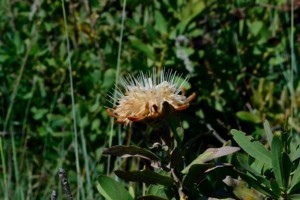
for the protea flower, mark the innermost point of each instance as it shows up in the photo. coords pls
(146, 96)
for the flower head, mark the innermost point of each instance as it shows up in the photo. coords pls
(145, 97)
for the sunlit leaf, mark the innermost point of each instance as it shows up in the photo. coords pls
(255, 27)
(254, 149)
(111, 189)
(249, 117)
(295, 155)
(241, 190)
(160, 23)
(210, 154)
(138, 44)
(268, 132)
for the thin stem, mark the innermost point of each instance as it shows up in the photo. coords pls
(62, 156)
(4, 170)
(293, 61)
(29, 178)
(73, 102)
(8, 114)
(116, 81)
(179, 185)
(215, 134)
(293, 69)
(16, 86)
(19, 190)
(86, 162)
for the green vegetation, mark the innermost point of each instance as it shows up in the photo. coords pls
(60, 61)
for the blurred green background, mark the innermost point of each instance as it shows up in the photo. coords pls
(240, 57)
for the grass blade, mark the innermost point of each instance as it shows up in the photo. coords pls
(79, 181)
(111, 133)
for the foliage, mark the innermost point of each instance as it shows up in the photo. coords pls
(275, 172)
(168, 165)
(240, 57)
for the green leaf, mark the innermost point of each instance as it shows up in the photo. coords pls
(295, 189)
(277, 60)
(295, 155)
(276, 151)
(150, 197)
(268, 132)
(95, 125)
(138, 44)
(253, 172)
(160, 23)
(257, 165)
(295, 179)
(109, 79)
(255, 27)
(94, 107)
(248, 117)
(111, 189)
(58, 120)
(210, 154)
(275, 187)
(240, 189)
(145, 176)
(294, 197)
(157, 190)
(152, 34)
(39, 113)
(189, 13)
(286, 169)
(253, 182)
(254, 149)
(3, 58)
(130, 151)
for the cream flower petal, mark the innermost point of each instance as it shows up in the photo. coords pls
(144, 97)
